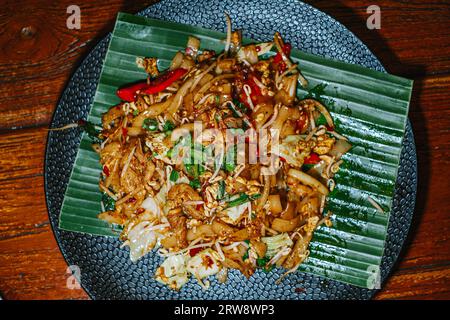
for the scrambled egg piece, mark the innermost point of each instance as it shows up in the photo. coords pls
(294, 150)
(172, 272)
(324, 144)
(203, 264)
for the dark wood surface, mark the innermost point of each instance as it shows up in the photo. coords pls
(38, 54)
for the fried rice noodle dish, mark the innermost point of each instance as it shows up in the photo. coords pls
(216, 163)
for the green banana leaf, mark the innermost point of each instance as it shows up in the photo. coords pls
(369, 107)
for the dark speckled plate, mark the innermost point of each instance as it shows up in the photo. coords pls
(106, 272)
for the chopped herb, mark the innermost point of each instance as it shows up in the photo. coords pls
(261, 262)
(235, 113)
(240, 105)
(221, 191)
(255, 196)
(217, 100)
(168, 126)
(174, 176)
(108, 202)
(194, 170)
(195, 183)
(241, 199)
(169, 153)
(135, 112)
(245, 256)
(321, 120)
(150, 124)
(307, 167)
(91, 130)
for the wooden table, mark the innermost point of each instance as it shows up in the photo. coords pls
(38, 54)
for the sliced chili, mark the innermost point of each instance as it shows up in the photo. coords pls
(278, 59)
(159, 84)
(165, 80)
(312, 159)
(194, 251)
(131, 200)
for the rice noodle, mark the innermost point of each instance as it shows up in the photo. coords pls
(278, 43)
(201, 245)
(67, 126)
(259, 83)
(228, 42)
(127, 163)
(283, 252)
(308, 180)
(198, 78)
(235, 244)
(248, 92)
(219, 251)
(337, 135)
(281, 76)
(272, 119)
(108, 192)
(311, 134)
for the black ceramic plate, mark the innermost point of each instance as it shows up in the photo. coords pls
(106, 272)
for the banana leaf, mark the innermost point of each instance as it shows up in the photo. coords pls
(369, 107)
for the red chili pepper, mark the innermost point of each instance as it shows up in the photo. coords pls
(157, 85)
(278, 59)
(330, 128)
(255, 91)
(131, 200)
(282, 159)
(128, 93)
(106, 171)
(140, 210)
(301, 122)
(124, 132)
(165, 80)
(312, 159)
(194, 251)
(198, 207)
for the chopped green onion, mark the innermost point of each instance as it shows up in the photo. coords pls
(168, 126)
(169, 153)
(241, 199)
(306, 167)
(108, 202)
(261, 262)
(150, 124)
(174, 176)
(221, 191)
(321, 120)
(245, 256)
(229, 167)
(135, 112)
(91, 130)
(195, 183)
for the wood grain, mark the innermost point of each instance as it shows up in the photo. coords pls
(38, 54)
